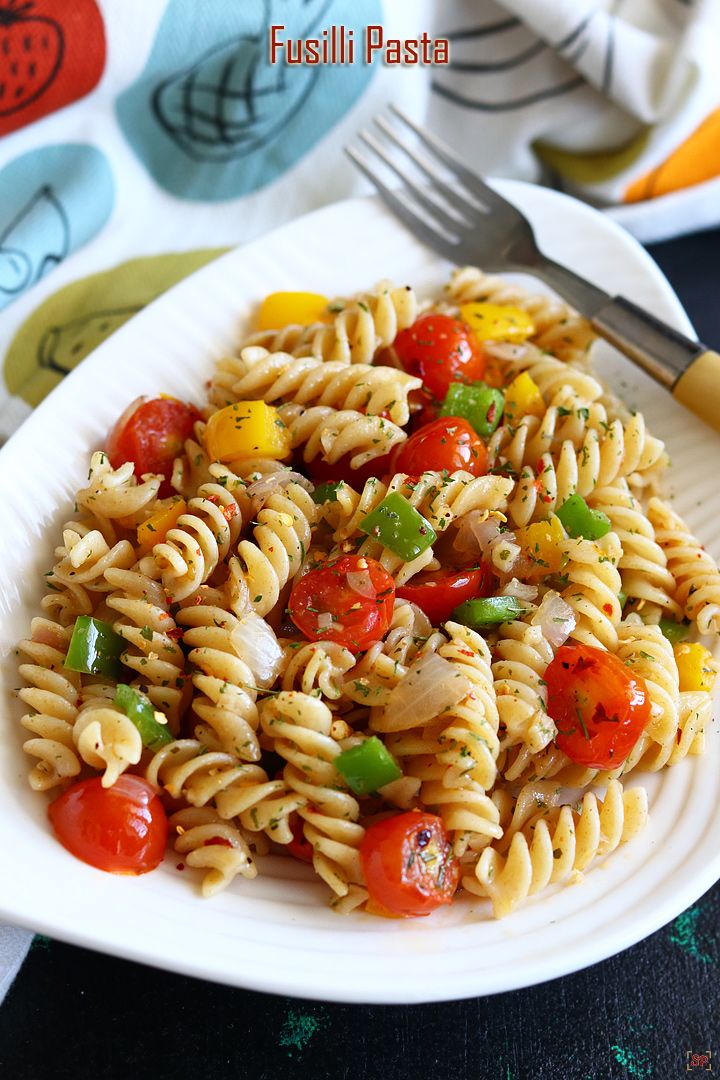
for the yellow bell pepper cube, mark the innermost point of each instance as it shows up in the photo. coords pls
(497, 322)
(292, 309)
(246, 429)
(542, 543)
(154, 530)
(523, 398)
(696, 666)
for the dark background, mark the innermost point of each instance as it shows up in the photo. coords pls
(73, 1013)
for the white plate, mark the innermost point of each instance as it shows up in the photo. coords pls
(275, 933)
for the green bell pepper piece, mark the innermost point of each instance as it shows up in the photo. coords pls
(674, 631)
(327, 492)
(398, 526)
(368, 766)
(481, 405)
(142, 713)
(488, 611)
(580, 521)
(95, 648)
(622, 599)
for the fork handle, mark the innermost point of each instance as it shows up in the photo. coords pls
(688, 369)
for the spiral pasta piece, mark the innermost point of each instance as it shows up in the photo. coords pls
(648, 654)
(207, 777)
(153, 653)
(281, 541)
(213, 845)
(361, 327)
(559, 329)
(116, 493)
(300, 726)
(455, 780)
(332, 434)
(225, 702)
(277, 377)
(604, 457)
(521, 655)
(593, 590)
(696, 575)
(106, 739)
(53, 694)
(316, 668)
(549, 850)
(199, 541)
(83, 559)
(646, 579)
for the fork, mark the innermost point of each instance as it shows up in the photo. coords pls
(456, 213)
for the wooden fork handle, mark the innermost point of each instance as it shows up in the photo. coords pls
(689, 370)
(699, 388)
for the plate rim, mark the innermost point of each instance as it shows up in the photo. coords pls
(272, 981)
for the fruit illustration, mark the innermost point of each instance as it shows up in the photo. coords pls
(32, 49)
(34, 241)
(51, 53)
(212, 118)
(52, 200)
(695, 160)
(231, 100)
(61, 331)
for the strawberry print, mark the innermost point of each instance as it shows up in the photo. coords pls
(51, 53)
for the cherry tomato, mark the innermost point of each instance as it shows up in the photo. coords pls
(322, 472)
(599, 706)
(440, 350)
(122, 829)
(408, 866)
(151, 435)
(448, 443)
(326, 606)
(438, 592)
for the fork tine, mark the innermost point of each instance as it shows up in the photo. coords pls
(451, 224)
(471, 180)
(416, 225)
(463, 204)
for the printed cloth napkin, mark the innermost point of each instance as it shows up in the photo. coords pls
(141, 138)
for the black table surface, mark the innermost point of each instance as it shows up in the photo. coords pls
(641, 1014)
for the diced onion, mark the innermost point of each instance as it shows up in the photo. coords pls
(261, 490)
(555, 618)
(520, 589)
(361, 582)
(430, 685)
(255, 643)
(324, 620)
(477, 531)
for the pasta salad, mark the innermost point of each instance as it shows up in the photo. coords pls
(400, 601)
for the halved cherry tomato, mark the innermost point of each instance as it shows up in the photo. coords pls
(448, 443)
(151, 436)
(326, 606)
(438, 592)
(122, 829)
(599, 706)
(440, 350)
(408, 864)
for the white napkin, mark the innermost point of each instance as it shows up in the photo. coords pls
(14, 945)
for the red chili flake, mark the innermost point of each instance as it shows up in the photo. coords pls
(176, 633)
(467, 652)
(198, 600)
(213, 499)
(180, 866)
(230, 511)
(608, 609)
